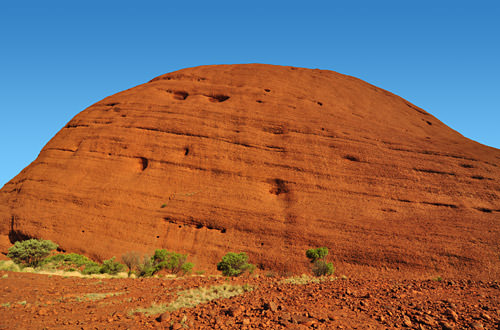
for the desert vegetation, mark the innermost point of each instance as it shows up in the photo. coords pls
(317, 257)
(39, 256)
(235, 264)
(276, 301)
(36, 255)
(193, 297)
(162, 260)
(30, 252)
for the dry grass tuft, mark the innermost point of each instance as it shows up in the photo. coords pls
(306, 279)
(98, 296)
(9, 265)
(193, 297)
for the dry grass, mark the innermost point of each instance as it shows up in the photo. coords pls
(193, 297)
(9, 265)
(154, 309)
(306, 279)
(98, 296)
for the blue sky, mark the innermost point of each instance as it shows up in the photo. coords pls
(59, 57)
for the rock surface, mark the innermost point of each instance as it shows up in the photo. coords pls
(269, 160)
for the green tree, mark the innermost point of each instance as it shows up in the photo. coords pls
(31, 252)
(320, 266)
(235, 264)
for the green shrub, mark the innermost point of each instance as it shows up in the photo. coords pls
(31, 252)
(67, 261)
(317, 254)
(187, 268)
(174, 263)
(92, 269)
(320, 266)
(145, 268)
(235, 264)
(111, 266)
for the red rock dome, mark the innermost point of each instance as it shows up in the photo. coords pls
(270, 160)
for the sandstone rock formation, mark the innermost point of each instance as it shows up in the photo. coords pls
(269, 160)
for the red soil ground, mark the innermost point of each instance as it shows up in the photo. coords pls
(31, 301)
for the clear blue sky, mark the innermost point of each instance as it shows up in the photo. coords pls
(59, 57)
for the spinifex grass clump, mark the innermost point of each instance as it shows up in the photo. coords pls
(305, 279)
(9, 265)
(193, 297)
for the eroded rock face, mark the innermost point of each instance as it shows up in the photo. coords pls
(269, 160)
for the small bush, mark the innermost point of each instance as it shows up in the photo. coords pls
(317, 254)
(111, 267)
(131, 260)
(92, 269)
(317, 258)
(31, 252)
(70, 261)
(235, 264)
(145, 268)
(323, 268)
(174, 263)
(187, 267)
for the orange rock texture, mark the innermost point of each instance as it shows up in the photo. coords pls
(269, 160)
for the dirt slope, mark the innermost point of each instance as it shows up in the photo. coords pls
(269, 160)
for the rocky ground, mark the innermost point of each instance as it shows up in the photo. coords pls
(34, 301)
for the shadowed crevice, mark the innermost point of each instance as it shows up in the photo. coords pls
(144, 163)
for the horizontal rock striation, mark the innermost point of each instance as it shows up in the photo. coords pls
(269, 160)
